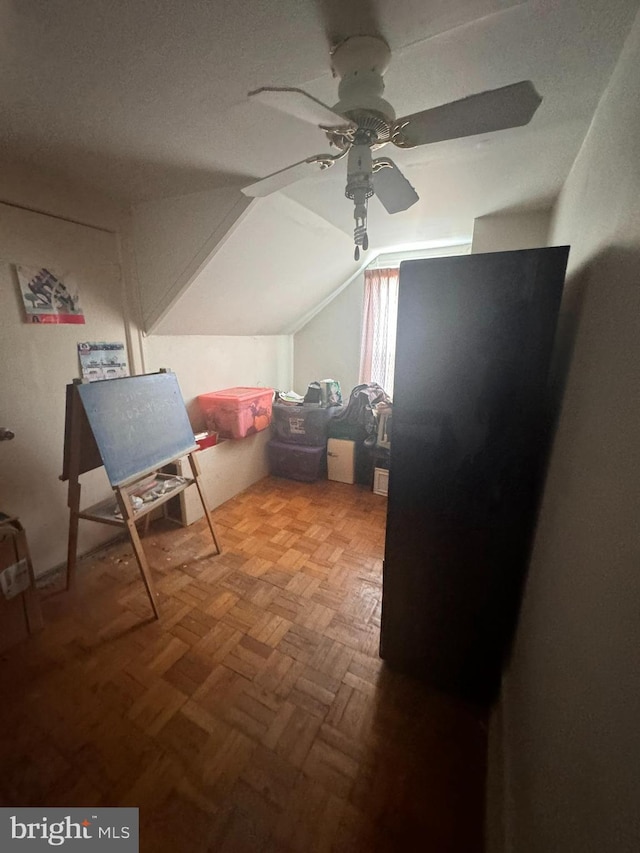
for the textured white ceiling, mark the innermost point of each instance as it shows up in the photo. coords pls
(147, 99)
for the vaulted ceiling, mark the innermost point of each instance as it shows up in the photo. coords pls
(144, 100)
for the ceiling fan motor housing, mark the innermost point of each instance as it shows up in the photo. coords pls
(361, 62)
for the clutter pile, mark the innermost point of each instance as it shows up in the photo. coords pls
(360, 415)
(359, 422)
(316, 433)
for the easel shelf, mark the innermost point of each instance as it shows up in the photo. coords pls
(107, 511)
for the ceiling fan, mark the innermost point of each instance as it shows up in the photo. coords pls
(363, 121)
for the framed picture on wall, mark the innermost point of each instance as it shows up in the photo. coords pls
(47, 298)
(102, 360)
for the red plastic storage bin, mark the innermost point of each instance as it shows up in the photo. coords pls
(237, 412)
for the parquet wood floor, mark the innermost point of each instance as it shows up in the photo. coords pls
(256, 714)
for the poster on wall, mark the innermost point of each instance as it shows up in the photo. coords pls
(47, 298)
(101, 360)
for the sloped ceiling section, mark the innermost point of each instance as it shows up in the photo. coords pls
(272, 270)
(174, 239)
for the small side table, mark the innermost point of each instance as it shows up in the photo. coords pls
(22, 615)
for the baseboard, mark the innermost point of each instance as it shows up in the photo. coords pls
(49, 578)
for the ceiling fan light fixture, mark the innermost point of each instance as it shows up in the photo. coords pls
(360, 188)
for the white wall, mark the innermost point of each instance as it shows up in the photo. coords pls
(39, 360)
(328, 347)
(502, 232)
(572, 694)
(208, 363)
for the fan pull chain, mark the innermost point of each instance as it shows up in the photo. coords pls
(361, 238)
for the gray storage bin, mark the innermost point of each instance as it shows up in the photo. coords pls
(301, 424)
(297, 462)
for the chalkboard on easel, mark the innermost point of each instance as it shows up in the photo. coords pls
(132, 426)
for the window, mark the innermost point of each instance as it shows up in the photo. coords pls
(379, 327)
(380, 317)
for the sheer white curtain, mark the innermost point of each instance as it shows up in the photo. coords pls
(378, 349)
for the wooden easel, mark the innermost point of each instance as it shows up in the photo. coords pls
(81, 454)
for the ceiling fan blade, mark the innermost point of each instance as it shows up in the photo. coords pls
(392, 188)
(497, 109)
(289, 175)
(297, 103)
